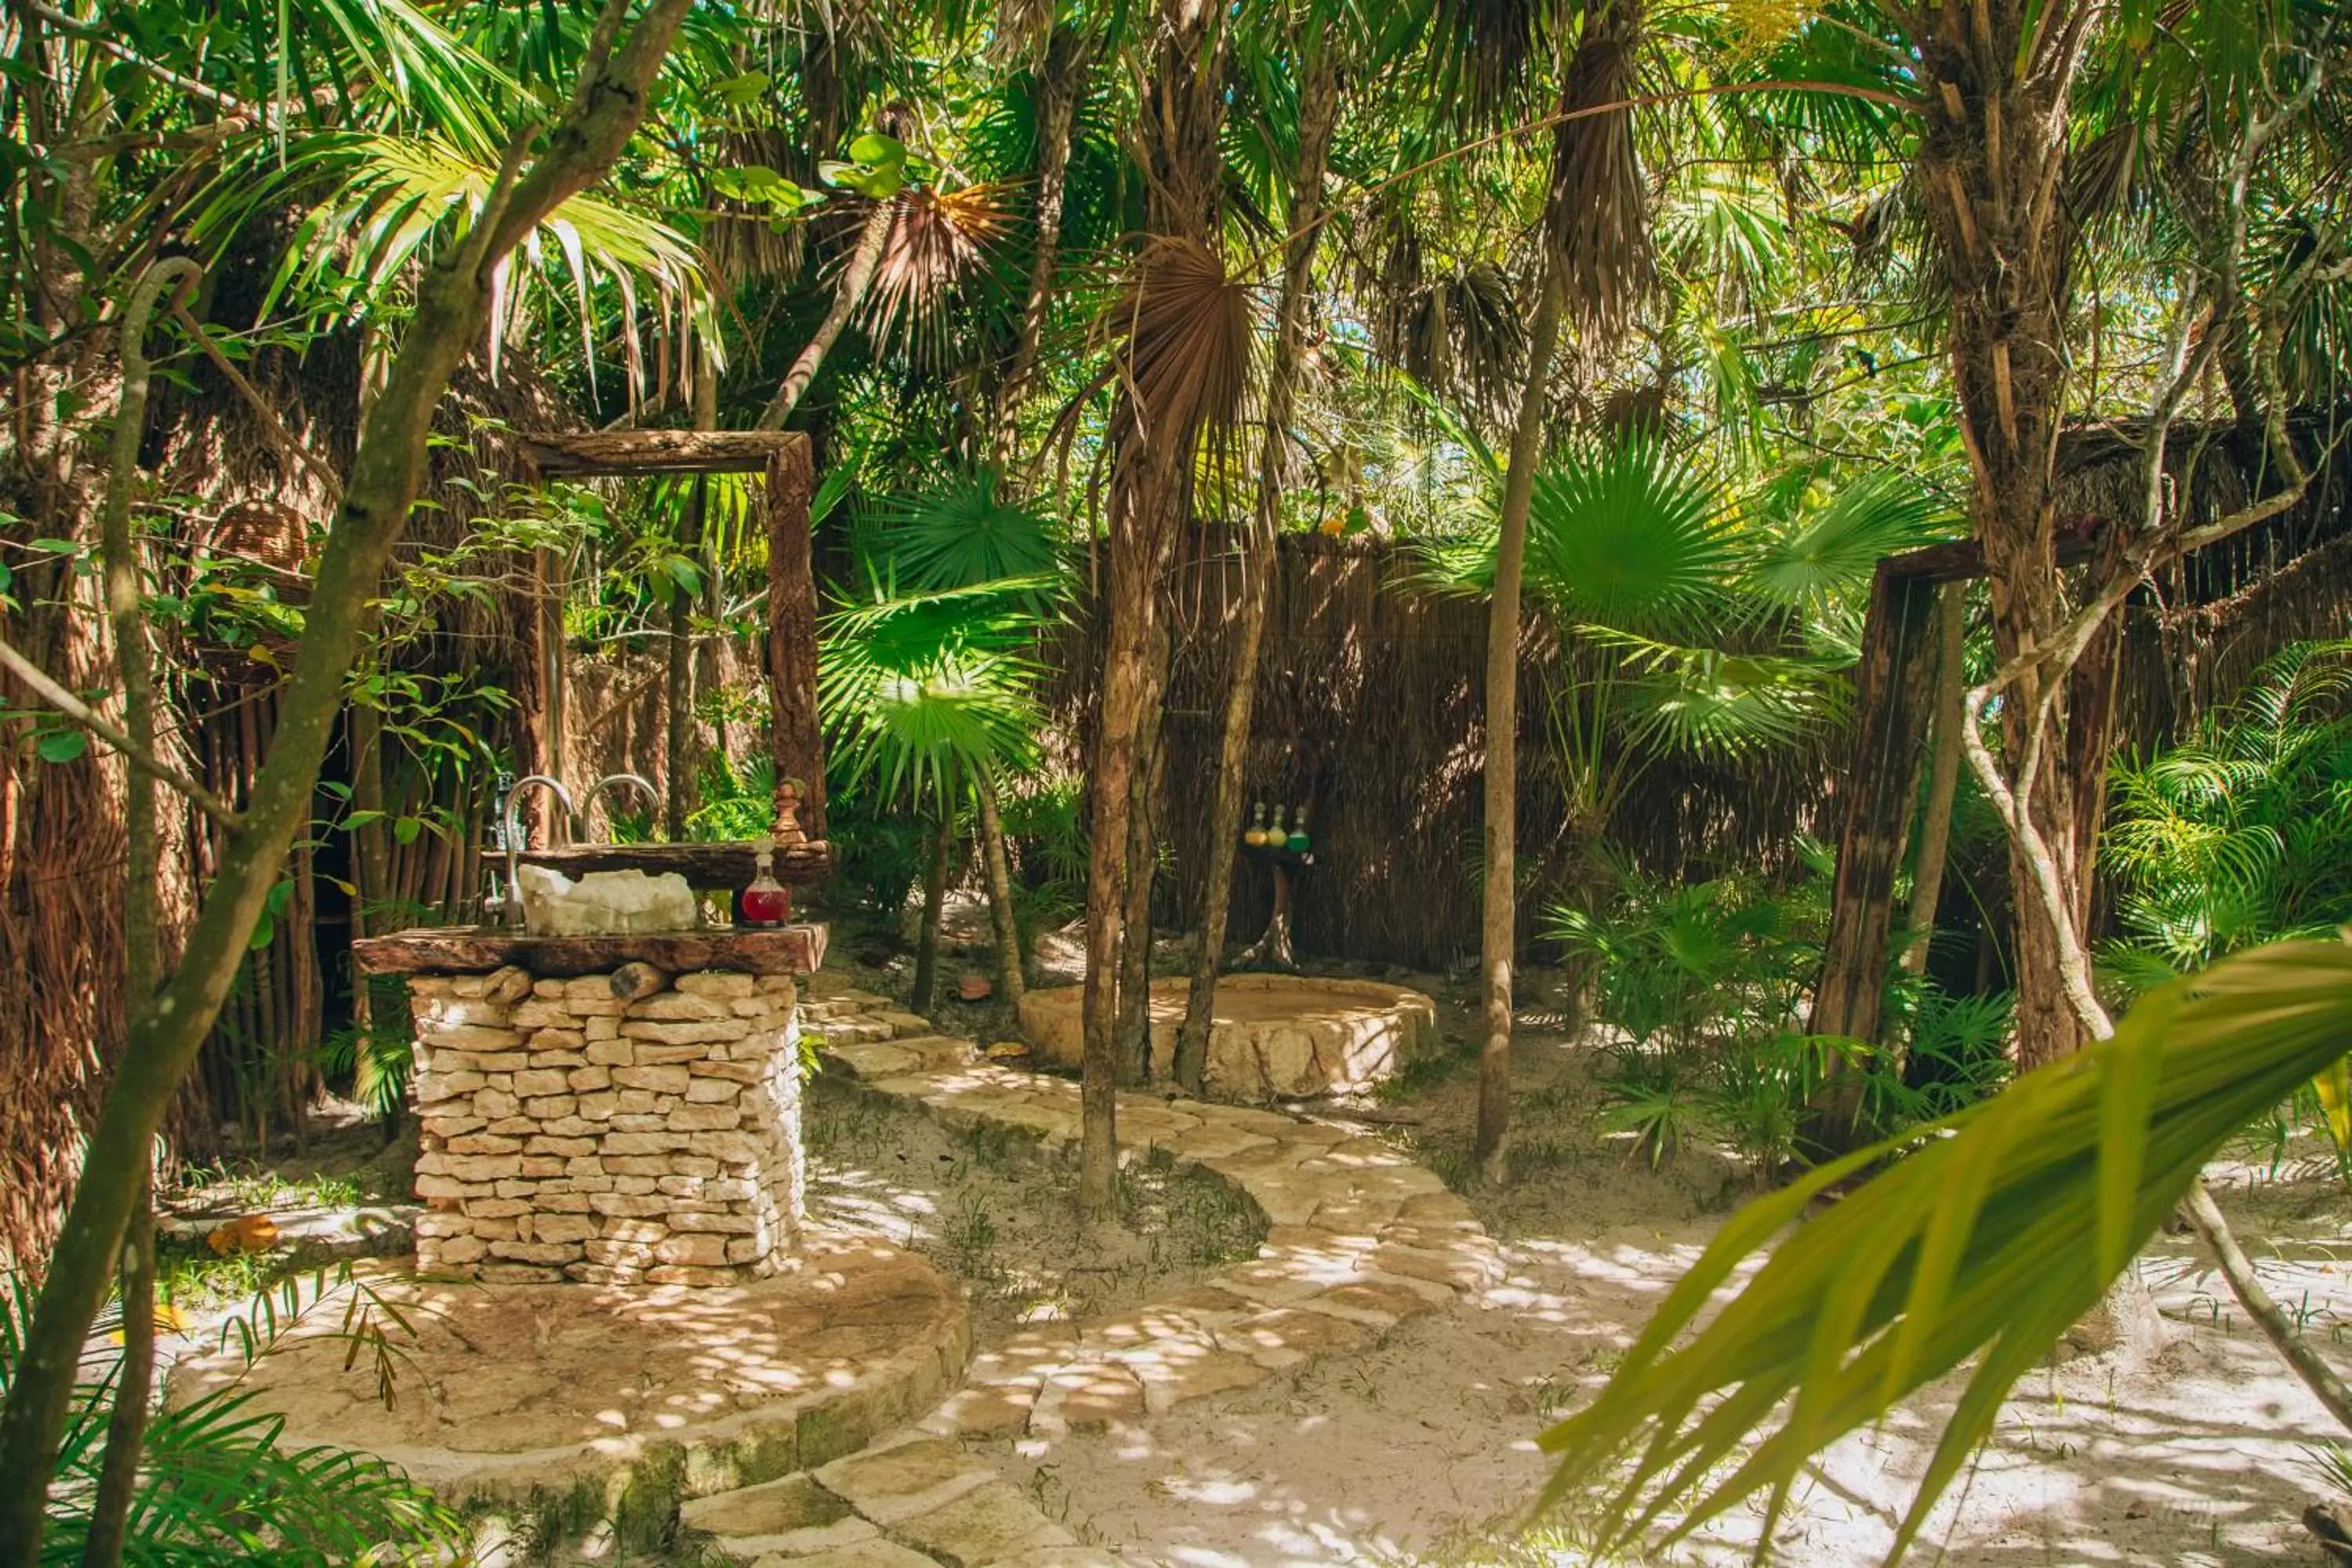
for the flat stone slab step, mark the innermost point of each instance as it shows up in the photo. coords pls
(873, 1061)
(909, 1501)
(1362, 1239)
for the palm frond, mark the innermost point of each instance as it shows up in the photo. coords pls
(1708, 701)
(962, 534)
(1831, 550)
(938, 240)
(1990, 1234)
(393, 198)
(217, 1486)
(1186, 328)
(1632, 535)
(918, 690)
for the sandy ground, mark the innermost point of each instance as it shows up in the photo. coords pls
(1421, 1450)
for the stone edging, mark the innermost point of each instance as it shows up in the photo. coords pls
(1361, 1238)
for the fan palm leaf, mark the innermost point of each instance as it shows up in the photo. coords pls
(1988, 1235)
(1828, 553)
(962, 534)
(1632, 535)
(918, 690)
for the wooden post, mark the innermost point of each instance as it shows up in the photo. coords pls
(1892, 691)
(795, 738)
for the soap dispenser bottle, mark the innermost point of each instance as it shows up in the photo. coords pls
(765, 902)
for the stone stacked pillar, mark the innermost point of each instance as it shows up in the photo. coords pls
(568, 1133)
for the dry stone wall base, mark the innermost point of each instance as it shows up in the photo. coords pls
(567, 1134)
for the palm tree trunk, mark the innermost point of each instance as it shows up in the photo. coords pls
(1000, 889)
(1124, 682)
(925, 994)
(1498, 933)
(1943, 775)
(855, 279)
(1183, 112)
(166, 1029)
(1317, 111)
(1133, 1042)
(1060, 80)
(2000, 86)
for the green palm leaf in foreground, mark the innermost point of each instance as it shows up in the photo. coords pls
(1995, 1231)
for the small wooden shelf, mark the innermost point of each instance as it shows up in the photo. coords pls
(476, 950)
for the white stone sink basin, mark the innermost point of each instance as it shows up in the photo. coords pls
(604, 903)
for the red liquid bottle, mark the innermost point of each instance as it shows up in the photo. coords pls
(766, 902)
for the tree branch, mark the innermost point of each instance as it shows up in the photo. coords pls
(81, 714)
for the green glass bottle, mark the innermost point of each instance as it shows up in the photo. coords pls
(1299, 841)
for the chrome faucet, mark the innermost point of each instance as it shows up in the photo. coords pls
(514, 836)
(642, 784)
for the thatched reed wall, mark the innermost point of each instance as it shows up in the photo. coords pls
(1370, 712)
(61, 836)
(1371, 698)
(2196, 634)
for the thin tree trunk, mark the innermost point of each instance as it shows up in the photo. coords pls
(708, 672)
(1498, 931)
(127, 622)
(1991, 163)
(925, 994)
(387, 474)
(1317, 111)
(1060, 78)
(1000, 889)
(677, 695)
(142, 900)
(126, 1423)
(1183, 113)
(847, 295)
(1942, 773)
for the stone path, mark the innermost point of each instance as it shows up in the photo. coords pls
(1361, 1238)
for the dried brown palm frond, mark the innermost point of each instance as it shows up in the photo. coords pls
(1488, 55)
(1023, 27)
(1465, 338)
(1598, 212)
(1185, 330)
(745, 244)
(938, 241)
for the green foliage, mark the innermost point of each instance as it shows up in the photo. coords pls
(215, 1484)
(916, 689)
(1987, 1235)
(375, 1061)
(960, 533)
(739, 799)
(1706, 987)
(2242, 833)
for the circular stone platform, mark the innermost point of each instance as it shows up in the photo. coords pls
(510, 1388)
(1273, 1036)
